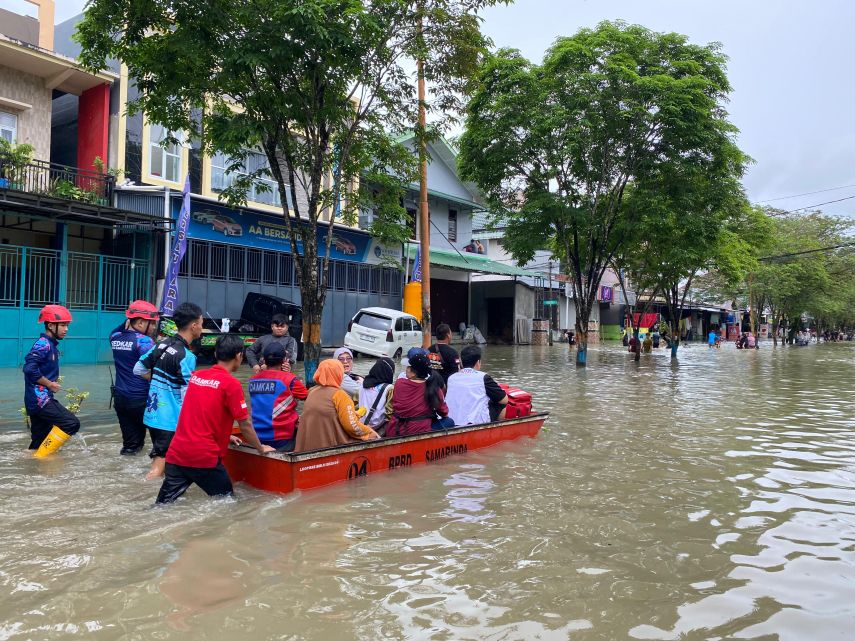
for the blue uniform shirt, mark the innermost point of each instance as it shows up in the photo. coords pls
(42, 360)
(171, 363)
(128, 347)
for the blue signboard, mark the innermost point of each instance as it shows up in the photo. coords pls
(221, 224)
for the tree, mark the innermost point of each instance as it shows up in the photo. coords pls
(554, 146)
(800, 274)
(317, 85)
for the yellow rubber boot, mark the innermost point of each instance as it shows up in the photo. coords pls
(53, 441)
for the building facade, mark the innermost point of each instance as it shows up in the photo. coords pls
(63, 239)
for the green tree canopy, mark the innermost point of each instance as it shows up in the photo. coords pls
(555, 146)
(317, 85)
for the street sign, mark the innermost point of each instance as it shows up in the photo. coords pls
(550, 302)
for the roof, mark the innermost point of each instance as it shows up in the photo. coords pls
(60, 73)
(386, 311)
(470, 262)
(447, 153)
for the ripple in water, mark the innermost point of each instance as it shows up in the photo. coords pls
(712, 499)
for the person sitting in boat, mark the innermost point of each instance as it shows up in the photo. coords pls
(351, 383)
(418, 402)
(473, 396)
(273, 395)
(213, 402)
(444, 359)
(376, 394)
(328, 417)
(278, 334)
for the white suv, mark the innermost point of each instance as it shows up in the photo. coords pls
(380, 331)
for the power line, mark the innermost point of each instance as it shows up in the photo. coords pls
(827, 202)
(808, 251)
(807, 193)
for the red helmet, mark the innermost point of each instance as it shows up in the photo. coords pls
(142, 309)
(54, 314)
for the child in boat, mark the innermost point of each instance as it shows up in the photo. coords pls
(418, 402)
(213, 402)
(51, 424)
(329, 418)
(273, 394)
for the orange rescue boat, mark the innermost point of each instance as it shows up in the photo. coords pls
(285, 473)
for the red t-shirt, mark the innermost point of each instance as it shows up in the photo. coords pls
(213, 402)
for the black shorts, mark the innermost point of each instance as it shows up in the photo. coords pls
(43, 420)
(214, 481)
(160, 440)
(495, 410)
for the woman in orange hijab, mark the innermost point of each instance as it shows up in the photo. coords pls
(328, 417)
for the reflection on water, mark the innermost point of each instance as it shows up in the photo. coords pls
(710, 500)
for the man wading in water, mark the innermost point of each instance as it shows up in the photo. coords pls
(214, 401)
(51, 425)
(169, 365)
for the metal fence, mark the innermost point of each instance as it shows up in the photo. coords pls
(32, 277)
(216, 261)
(56, 181)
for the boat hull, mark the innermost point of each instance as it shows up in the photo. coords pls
(284, 473)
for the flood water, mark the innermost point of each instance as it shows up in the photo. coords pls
(711, 500)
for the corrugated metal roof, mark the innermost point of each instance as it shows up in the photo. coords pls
(471, 263)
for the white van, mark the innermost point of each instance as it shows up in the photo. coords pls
(380, 331)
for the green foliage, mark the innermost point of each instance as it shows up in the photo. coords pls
(15, 157)
(317, 86)
(556, 146)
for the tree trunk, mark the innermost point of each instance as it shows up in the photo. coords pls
(581, 346)
(774, 332)
(636, 349)
(675, 336)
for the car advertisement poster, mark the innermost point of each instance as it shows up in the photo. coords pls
(221, 224)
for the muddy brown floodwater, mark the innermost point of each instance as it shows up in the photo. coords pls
(711, 500)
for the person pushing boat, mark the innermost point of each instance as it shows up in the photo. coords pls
(213, 403)
(129, 342)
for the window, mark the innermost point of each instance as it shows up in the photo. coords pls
(452, 225)
(222, 179)
(164, 159)
(417, 326)
(371, 321)
(8, 126)
(413, 218)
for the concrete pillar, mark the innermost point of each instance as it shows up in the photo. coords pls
(93, 126)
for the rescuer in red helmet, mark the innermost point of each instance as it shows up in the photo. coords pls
(129, 342)
(51, 424)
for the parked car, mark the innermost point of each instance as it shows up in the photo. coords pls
(227, 226)
(379, 331)
(254, 321)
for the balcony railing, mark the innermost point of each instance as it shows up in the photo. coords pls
(57, 181)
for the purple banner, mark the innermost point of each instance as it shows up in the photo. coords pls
(179, 246)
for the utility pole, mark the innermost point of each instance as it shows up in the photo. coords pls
(424, 211)
(551, 307)
(751, 307)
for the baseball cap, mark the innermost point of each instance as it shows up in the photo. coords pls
(411, 353)
(274, 351)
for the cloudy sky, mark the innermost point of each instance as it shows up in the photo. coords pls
(790, 66)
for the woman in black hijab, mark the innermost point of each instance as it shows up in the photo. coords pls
(376, 394)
